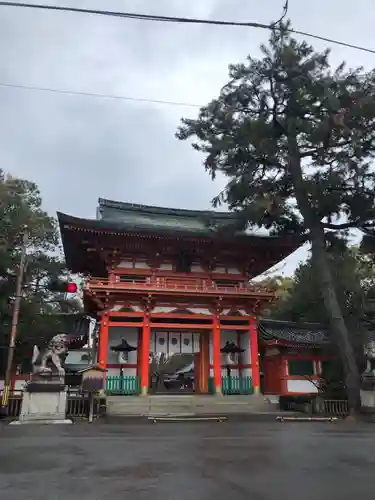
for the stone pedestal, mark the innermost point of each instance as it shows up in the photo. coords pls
(44, 401)
(368, 393)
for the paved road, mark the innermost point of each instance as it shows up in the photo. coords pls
(188, 461)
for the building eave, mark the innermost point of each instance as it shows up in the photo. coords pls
(102, 226)
(290, 334)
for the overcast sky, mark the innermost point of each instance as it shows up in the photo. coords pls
(80, 148)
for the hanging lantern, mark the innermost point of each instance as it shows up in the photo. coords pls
(123, 349)
(229, 349)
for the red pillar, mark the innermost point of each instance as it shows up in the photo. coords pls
(145, 355)
(254, 355)
(204, 358)
(216, 354)
(139, 352)
(240, 361)
(103, 341)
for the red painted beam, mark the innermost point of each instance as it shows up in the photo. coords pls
(181, 316)
(120, 314)
(125, 323)
(182, 326)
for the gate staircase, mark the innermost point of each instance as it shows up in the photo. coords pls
(167, 404)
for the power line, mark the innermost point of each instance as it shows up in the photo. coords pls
(97, 95)
(186, 20)
(130, 15)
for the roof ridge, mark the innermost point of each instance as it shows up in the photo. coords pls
(103, 202)
(283, 322)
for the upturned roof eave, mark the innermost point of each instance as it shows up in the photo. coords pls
(286, 343)
(269, 332)
(69, 222)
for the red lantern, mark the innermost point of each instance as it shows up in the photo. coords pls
(71, 288)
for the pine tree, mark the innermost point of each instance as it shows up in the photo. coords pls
(20, 206)
(295, 139)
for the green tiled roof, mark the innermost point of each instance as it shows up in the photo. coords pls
(293, 333)
(116, 219)
(150, 217)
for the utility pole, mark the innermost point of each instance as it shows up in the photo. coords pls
(15, 315)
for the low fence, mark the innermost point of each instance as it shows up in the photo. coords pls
(128, 385)
(233, 385)
(14, 404)
(78, 405)
(336, 407)
(315, 405)
(125, 385)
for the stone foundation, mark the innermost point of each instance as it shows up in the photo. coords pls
(368, 393)
(43, 406)
(44, 401)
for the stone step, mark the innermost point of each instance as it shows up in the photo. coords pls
(164, 405)
(179, 399)
(222, 401)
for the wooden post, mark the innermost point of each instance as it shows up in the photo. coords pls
(103, 341)
(91, 408)
(216, 354)
(204, 367)
(13, 332)
(254, 355)
(145, 353)
(239, 357)
(139, 352)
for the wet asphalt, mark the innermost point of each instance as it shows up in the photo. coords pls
(188, 461)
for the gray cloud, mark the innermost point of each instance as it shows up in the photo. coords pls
(79, 148)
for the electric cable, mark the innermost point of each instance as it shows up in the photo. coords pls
(186, 20)
(98, 95)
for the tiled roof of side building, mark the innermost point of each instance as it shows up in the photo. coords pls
(289, 332)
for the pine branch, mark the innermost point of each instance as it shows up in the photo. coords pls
(348, 225)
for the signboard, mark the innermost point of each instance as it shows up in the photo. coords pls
(93, 379)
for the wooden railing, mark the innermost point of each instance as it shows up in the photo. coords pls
(123, 385)
(175, 284)
(233, 385)
(320, 406)
(77, 405)
(336, 407)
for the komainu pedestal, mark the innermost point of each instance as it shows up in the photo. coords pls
(44, 401)
(45, 396)
(368, 380)
(368, 393)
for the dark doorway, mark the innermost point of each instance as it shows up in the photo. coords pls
(173, 375)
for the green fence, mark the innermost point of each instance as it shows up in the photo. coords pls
(233, 385)
(123, 385)
(131, 385)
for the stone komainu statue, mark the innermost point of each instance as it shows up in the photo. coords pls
(369, 352)
(50, 360)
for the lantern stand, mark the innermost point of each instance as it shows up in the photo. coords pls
(121, 348)
(230, 348)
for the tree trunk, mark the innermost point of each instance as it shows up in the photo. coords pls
(337, 322)
(322, 266)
